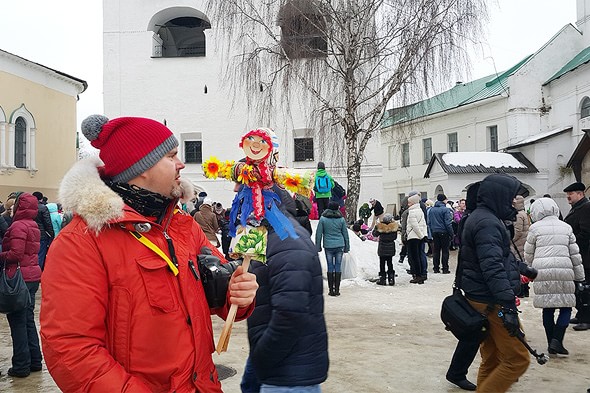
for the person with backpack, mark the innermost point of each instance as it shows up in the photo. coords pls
(323, 188)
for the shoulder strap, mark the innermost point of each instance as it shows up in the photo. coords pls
(149, 244)
(517, 252)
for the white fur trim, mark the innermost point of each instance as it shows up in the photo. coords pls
(83, 192)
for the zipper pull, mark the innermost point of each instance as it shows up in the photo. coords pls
(191, 265)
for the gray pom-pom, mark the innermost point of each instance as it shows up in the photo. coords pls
(92, 125)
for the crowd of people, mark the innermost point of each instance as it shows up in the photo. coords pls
(146, 245)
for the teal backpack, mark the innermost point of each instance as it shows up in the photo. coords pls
(323, 184)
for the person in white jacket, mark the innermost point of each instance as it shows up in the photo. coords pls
(551, 249)
(416, 232)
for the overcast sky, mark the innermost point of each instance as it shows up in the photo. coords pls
(67, 35)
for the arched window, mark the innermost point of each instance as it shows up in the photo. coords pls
(21, 140)
(303, 30)
(20, 143)
(179, 32)
(585, 109)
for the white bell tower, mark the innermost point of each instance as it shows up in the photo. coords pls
(583, 20)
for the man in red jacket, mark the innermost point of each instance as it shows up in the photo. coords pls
(124, 308)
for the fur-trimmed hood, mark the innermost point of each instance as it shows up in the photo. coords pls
(387, 228)
(83, 192)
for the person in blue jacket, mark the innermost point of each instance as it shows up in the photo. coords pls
(332, 228)
(441, 229)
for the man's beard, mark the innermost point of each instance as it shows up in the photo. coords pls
(177, 191)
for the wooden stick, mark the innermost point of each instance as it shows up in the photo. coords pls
(231, 316)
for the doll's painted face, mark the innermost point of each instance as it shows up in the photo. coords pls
(255, 147)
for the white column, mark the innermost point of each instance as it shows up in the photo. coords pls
(31, 147)
(10, 161)
(3, 144)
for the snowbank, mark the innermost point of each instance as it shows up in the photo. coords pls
(362, 262)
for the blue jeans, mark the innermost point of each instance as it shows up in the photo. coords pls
(334, 259)
(26, 352)
(290, 389)
(563, 319)
(44, 246)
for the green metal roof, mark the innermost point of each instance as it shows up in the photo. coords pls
(581, 58)
(461, 94)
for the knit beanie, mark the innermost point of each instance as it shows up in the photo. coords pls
(321, 165)
(128, 146)
(333, 205)
(441, 197)
(414, 199)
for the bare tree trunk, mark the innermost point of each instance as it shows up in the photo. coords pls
(353, 172)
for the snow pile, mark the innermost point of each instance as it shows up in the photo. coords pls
(362, 262)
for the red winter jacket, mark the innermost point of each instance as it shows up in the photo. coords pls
(113, 316)
(21, 241)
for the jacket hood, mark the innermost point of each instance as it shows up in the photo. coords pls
(52, 207)
(328, 213)
(206, 207)
(544, 207)
(440, 204)
(519, 202)
(27, 207)
(497, 192)
(387, 228)
(83, 192)
(321, 172)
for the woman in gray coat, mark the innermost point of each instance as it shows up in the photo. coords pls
(551, 249)
(332, 228)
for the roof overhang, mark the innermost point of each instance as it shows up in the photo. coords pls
(481, 162)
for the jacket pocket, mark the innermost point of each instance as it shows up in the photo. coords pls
(159, 287)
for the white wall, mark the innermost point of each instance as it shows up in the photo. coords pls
(173, 89)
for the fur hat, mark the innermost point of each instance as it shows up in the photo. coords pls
(128, 146)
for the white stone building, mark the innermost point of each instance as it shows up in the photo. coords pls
(538, 108)
(161, 61)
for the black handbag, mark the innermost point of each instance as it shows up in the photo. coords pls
(14, 294)
(461, 319)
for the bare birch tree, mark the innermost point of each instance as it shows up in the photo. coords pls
(344, 61)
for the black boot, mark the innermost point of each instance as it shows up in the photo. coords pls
(337, 277)
(381, 278)
(331, 283)
(556, 345)
(549, 330)
(391, 277)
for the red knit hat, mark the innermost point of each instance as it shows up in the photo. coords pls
(128, 145)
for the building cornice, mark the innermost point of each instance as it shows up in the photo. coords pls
(22, 65)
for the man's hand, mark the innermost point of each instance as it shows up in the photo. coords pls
(242, 288)
(510, 320)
